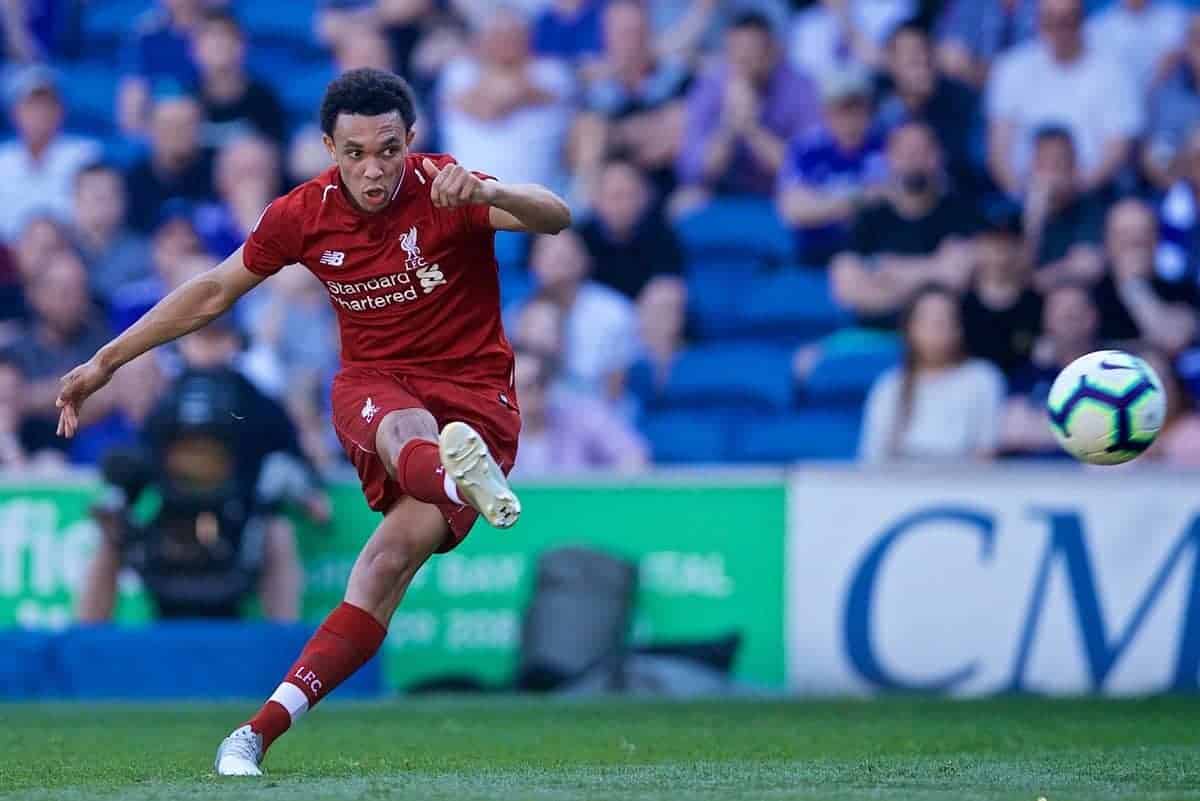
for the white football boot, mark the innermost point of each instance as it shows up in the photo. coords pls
(240, 754)
(480, 481)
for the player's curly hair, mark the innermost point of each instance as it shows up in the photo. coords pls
(368, 92)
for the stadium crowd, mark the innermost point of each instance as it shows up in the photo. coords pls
(829, 229)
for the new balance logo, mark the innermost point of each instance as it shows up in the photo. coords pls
(333, 258)
(369, 410)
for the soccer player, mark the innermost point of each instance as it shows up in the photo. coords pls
(424, 402)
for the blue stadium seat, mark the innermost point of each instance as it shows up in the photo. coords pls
(107, 23)
(808, 434)
(286, 20)
(747, 376)
(687, 437)
(793, 304)
(512, 249)
(516, 285)
(300, 88)
(847, 375)
(714, 290)
(273, 63)
(123, 151)
(90, 94)
(738, 226)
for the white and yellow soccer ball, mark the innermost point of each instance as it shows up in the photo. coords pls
(1107, 407)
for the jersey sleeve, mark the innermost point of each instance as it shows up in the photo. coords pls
(478, 217)
(275, 241)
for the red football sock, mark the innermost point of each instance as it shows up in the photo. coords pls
(347, 639)
(420, 474)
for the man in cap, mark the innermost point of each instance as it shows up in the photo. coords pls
(830, 172)
(38, 168)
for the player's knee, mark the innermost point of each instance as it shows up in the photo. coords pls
(401, 427)
(395, 565)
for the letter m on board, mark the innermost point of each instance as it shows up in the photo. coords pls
(1068, 546)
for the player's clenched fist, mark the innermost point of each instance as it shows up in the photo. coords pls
(454, 185)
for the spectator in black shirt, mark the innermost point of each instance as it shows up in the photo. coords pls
(199, 455)
(1063, 226)
(628, 239)
(633, 100)
(177, 165)
(234, 102)
(916, 236)
(915, 89)
(1001, 313)
(1070, 326)
(24, 441)
(1134, 302)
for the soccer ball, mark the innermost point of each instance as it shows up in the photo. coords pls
(1106, 407)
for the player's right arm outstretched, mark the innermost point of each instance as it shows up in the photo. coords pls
(190, 306)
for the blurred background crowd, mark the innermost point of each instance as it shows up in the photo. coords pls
(841, 229)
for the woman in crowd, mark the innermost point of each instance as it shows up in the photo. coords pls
(940, 404)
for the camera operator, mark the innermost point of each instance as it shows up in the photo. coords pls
(196, 510)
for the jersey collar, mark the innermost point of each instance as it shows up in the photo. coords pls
(334, 192)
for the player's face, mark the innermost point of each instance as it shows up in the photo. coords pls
(369, 153)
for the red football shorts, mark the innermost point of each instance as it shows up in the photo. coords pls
(363, 396)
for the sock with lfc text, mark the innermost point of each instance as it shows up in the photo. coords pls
(347, 639)
(420, 474)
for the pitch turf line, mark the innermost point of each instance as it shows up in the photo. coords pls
(531, 749)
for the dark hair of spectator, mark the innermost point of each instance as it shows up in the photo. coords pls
(622, 158)
(1001, 223)
(97, 167)
(912, 122)
(1053, 133)
(908, 369)
(368, 92)
(754, 20)
(913, 25)
(9, 361)
(219, 16)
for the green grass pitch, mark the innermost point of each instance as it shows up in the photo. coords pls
(541, 750)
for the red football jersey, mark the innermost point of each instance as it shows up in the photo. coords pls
(416, 288)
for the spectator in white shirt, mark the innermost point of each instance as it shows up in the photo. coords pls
(505, 110)
(1059, 80)
(1142, 35)
(563, 432)
(835, 34)
(940, 405)
(599, 324)
(37, 171)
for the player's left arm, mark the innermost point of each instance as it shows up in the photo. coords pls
(512, 207)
